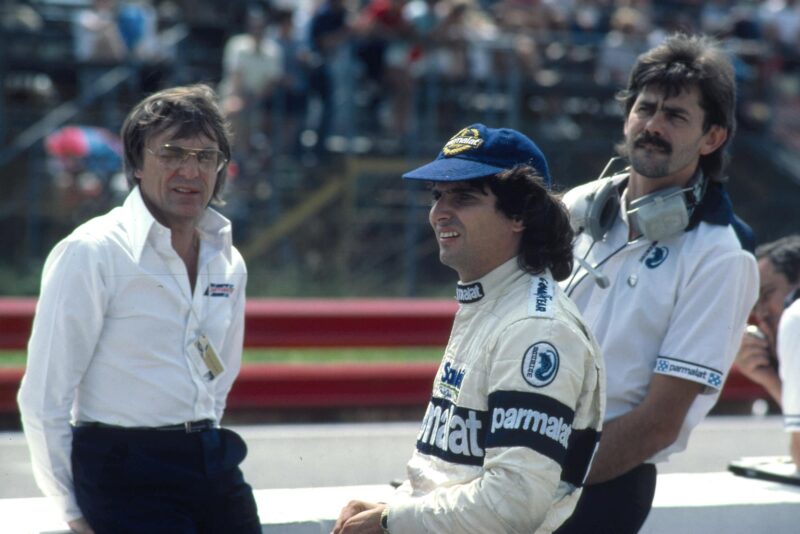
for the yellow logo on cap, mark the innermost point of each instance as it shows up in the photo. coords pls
(466, 139)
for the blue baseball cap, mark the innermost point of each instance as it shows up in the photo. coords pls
(477, 152)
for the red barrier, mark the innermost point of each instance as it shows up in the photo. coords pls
(9, 385)
(321, 323)
(333, 385)
(271, 386)
(301, 322)
(16, 316)
(348, 322)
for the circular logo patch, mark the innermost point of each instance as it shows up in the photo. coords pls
(540, 364)
(656, 257)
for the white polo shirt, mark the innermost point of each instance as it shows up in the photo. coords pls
(789, 357)
(113, 334)
(675, 307)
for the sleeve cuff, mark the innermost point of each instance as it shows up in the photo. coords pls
(711, 378)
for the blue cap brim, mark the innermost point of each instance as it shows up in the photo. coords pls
(452, 170)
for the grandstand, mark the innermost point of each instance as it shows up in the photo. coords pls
(329, 216)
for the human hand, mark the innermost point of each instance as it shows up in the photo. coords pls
(359, 517)
(80, 525)
(753, 357)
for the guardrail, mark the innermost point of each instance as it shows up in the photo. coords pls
(321, 323)
(301, 322)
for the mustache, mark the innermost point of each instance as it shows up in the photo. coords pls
(647, 138)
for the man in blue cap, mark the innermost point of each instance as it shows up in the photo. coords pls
(516, 408)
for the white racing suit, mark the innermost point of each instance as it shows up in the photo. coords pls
(514, 418)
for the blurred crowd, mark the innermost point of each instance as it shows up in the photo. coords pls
(289, 66)
(293, 58)
(301, 79)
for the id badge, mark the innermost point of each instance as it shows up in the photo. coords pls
(206, 359)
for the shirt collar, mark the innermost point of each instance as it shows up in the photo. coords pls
(488, 286)
(214, 229)
(714, 208)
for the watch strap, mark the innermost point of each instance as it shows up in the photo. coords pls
(385, 520)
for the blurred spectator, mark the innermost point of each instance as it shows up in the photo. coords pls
(527, 16)
(110, 33)
(779, 273)
(770, 352)
(99, 45)
(424, 16)
(589, 20)
(96, 34)
(716, 17)
(621, 46)
(18, 16)
(528, 25)
(138, 22)
(329, 30)
(781, 20)
(292, 95)
(252, 69)
(464, 33)
(84, 162)
(384, 48)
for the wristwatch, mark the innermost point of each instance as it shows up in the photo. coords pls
(385, 520)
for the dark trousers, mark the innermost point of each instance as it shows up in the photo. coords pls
(136, 481)
(618, 506)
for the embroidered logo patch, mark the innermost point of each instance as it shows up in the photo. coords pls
(540, 364)
(469, 293)
(219, 290)
(466, 139)
(450, 380)
(690, 371)
(540, 297)
(654, 256)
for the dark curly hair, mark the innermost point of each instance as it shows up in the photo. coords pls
(547, 239)
(191, 110)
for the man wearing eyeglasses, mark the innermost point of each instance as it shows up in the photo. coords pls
(137, 340)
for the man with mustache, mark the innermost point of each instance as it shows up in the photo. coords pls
(662, 278)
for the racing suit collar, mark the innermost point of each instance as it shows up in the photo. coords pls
(490, 284)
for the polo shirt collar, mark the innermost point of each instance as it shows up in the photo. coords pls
(714, 208)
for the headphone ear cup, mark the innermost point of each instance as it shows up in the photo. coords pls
(603, 210)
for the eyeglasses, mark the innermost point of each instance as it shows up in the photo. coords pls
(173, 156)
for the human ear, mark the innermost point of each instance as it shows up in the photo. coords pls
(713, 139)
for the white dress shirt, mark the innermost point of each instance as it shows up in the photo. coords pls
(114, 332)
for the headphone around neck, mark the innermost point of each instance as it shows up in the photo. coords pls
(658, 215)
